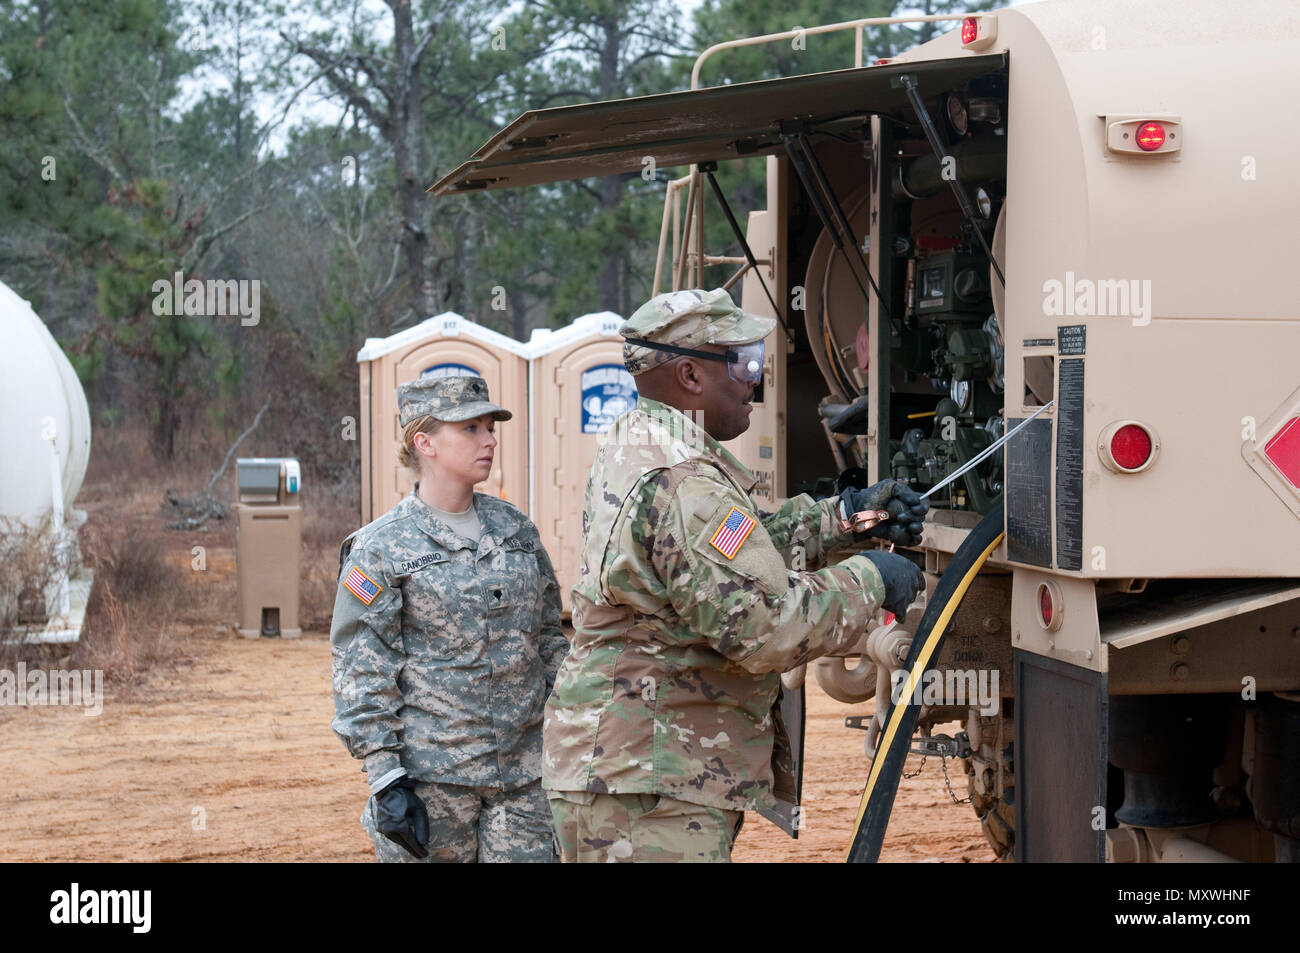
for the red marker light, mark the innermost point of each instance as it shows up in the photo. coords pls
(1283, 451)
(1130, 447)
(970, 30)
(1150, 136)
(1045, 606)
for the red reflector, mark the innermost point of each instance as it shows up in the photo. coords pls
(970, 29)
(1150, 136)
(1045, 604)
(1130, 447)
(1283, 451)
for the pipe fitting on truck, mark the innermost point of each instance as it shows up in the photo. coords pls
(844, 684)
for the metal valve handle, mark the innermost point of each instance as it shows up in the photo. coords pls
(861, 521)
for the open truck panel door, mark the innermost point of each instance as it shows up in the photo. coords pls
(694, 126)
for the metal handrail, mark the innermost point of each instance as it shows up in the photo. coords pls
(695, 197)
(855, 25)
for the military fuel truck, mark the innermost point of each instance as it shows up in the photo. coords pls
(1065, 222)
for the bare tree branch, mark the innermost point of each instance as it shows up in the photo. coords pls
(205, 507)
(205, 240)
(235, 446)
(86, 144)
(348, 88)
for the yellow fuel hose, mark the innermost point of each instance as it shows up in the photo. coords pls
(891, 753)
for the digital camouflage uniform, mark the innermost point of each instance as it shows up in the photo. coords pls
(671, 685)
(443, 656)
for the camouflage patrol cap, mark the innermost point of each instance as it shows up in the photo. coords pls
(446, 398)
(688, 319)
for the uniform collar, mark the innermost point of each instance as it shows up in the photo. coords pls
(697, 437)
(429, 524)
(499, 522)
(499, 519)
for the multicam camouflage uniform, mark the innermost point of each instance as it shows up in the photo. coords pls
(671, 685)
(444, 655)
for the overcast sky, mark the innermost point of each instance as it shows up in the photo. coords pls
(316, 105)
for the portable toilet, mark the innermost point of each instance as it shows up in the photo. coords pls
(444, 345)
(579, 386)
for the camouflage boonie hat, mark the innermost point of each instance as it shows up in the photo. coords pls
(446, 398)
(688, 319)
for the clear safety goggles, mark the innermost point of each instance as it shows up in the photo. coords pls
(744, 361)
(748, 365)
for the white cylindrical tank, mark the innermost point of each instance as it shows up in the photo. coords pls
(39, 395)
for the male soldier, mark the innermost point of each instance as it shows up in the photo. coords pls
(663, 726)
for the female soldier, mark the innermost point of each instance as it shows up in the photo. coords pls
(446, 638)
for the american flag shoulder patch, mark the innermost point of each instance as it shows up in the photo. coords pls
(735, 529)
(361, 585)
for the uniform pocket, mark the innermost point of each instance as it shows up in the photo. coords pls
(514, 583)
(442, 606)
(502, 593)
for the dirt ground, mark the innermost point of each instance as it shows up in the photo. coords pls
(220, 749)
(226, 754)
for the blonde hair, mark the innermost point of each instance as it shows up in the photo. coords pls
(407, 455)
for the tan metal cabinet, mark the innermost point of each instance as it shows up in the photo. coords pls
(268, 546)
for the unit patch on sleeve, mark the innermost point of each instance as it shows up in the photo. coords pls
(361, 585)
(735, 529)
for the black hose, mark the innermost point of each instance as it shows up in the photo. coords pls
(895, 739)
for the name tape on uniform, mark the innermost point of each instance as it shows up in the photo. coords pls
(428, 559)
(735, 529)
(361, 585)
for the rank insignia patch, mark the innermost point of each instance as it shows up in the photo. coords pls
(361, 585)
(735, 529)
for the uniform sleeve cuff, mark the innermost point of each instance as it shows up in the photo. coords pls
(382, 769)
(873, 583)
(839, 534)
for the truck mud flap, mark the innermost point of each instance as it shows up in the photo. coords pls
(1060, 761)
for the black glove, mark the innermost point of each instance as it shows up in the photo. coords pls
(905, 507)
(401, 816)
(902, 579)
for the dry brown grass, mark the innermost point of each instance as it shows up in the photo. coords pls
(326, 523)
(133, 613)
(125, 473)
(29, 564)
(155, 587)
(130, 619)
